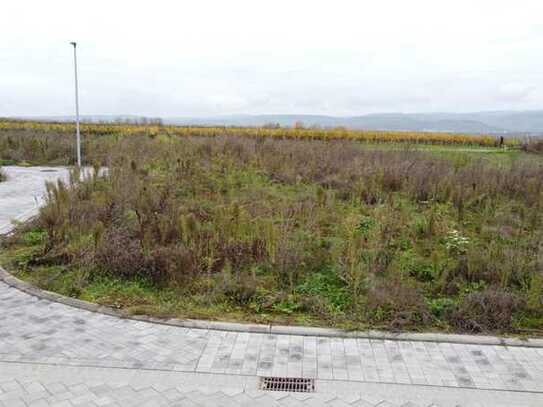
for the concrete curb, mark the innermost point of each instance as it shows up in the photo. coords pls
(14, 282)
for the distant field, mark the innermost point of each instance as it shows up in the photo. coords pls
(297, 133)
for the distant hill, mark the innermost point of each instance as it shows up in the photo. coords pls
(502, 122)
(498, 122)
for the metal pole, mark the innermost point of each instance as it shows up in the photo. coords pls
(78, 136)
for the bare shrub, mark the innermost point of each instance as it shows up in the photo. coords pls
(171, 264)
(486, 311)
(237, 286)
(533, 146)
(392, 301)
(117, 253)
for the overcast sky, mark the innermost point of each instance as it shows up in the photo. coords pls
(200, 57)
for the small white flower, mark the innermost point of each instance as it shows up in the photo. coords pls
(456, 242)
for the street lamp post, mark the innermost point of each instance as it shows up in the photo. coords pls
(77, 134)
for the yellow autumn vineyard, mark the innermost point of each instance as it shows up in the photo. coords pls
(372, 136)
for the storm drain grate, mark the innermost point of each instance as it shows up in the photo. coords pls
(292, 384)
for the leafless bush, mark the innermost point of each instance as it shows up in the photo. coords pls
(119, 254)
(533, 146)
(486, 311)
(394, 302)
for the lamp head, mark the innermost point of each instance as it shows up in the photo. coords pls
(73, 43)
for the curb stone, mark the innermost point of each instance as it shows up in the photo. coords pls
(14, 282)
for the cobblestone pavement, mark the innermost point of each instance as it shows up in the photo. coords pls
(55, 355)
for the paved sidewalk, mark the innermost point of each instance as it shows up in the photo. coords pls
(53, 354)
(56, 385)
(22, 193)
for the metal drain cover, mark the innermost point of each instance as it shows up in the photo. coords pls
(291, 384)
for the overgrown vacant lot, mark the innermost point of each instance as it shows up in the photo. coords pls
(314, 232)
